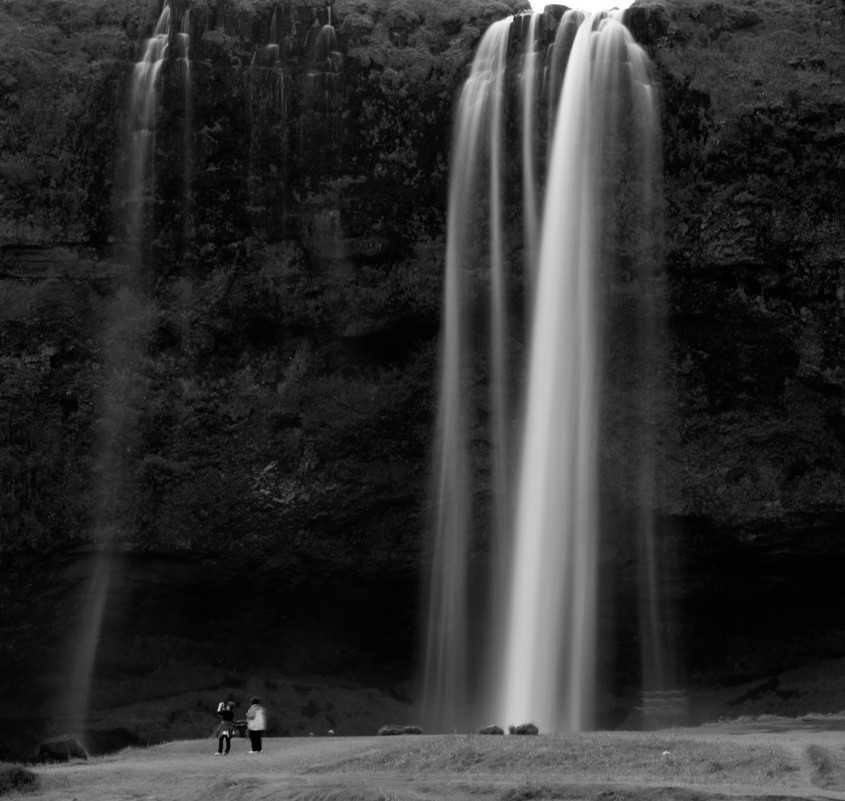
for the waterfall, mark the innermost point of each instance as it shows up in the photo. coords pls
(123, 385)
(184, 39)
(558, 58)
(553, 579)
(325, 79)
(538, 633)
(476, 154)
(529, 149)
(143, 104)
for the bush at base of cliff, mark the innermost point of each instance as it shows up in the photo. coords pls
(14, 778)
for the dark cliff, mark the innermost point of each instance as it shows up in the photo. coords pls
(244, 411)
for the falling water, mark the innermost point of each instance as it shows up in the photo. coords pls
(550, 665)
(123, 387)
(529, 147)
(142, 109)
(476, 154)
(543, 638)
(558, 58)
(554, 568)
(328, 62)
(188, 124)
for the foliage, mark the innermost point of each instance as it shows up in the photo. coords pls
(54, 89)
(744, 56)
(16, 779)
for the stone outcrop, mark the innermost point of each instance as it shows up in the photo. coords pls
(248, 420)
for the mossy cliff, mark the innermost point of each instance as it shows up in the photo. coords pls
(244, 410)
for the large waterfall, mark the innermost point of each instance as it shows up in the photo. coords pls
(517, 642)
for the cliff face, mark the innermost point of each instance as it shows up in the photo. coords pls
(755, 191)
(243, 406)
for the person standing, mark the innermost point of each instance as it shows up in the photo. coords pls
(256, 722)
(226, 713)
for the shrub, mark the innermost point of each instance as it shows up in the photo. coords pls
(491, 730)
(16, 778)
(524, 728)
(393, 728)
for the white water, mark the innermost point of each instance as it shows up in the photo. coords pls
(529, 150)
(143, 104)
(541, 641)
(476, 154)
(550, 651)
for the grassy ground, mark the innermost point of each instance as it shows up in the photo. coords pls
(759, 760)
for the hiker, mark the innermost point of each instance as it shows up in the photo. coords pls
(256, 722)
(226, 713)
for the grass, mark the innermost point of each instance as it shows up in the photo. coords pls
(595, 757)
(459, 767)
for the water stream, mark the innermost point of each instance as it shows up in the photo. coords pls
(123, 387)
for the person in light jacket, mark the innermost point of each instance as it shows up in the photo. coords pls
(256, 722)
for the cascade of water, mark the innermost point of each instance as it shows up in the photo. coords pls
(557, 59)
(544, 636)
(142, 109)
(184, 37)
(321, 92)
(123, 387)
(550, 665)
(328, 60)
(529, 150)
(187, 125)
(554, 565)
(476, 152)
(274, 26)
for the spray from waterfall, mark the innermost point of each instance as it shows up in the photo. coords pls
(123, 387)
(539, 630)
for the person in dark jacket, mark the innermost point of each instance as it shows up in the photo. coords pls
(226, 713)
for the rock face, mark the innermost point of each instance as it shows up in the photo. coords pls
(240, 406)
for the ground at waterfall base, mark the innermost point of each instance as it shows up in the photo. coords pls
(771, 758)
